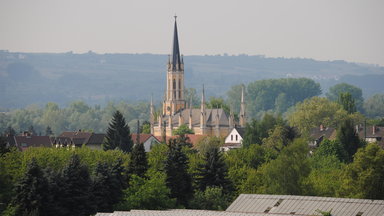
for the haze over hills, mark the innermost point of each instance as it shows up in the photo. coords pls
(38, 78)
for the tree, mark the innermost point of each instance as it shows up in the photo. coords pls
(287, 173)
(182, 130)
(31, 191)
(176, 168)
(138, 164)
(108, 185)
(331, 148)
(374, 106)
(190, 93)
(212, 198)
(347, 102)
(118, 134)
(145, 193)
(76, 194)
(48, 131)
(356, 93)
(316, 111)
(348, 138)
(280, 137)
(145, 127)
(214, 172)
(207, 143)
(3, 145)
(216, 103)
(364, 177)
(32, 130)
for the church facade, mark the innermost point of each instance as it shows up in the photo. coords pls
(175, 112)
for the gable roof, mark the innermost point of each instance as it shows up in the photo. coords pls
(79, 138)
(24, 142)
(143, 137)
(305, 205)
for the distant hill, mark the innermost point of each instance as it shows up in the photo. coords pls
(36, 78)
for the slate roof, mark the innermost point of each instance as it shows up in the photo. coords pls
(24, 142)
(210, 120)
(305, 205)
(79, 138)
(378, 134)
(180, 212)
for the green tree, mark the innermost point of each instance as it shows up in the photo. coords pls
(287, 173)
(145, 127)
(182, 130)
(138, 164)
(365, 176)
(178, 179)
(76, 194)
(316, 111)
(214, 172)
(205, 144)
(3, 145)
(374, 106)
(31, 191)
(118, 134)
(48, 131)
(356, 93)
(216, 103)
(190, 93)
(212, 198)
(348, 138)
(146, 193)
(108, 185)
(348, 103)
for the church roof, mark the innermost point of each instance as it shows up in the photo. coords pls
(210, 120)
(175, 58)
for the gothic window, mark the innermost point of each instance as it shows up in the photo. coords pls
(174, 84)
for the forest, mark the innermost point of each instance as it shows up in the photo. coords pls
(276, 157)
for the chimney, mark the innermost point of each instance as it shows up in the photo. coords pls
(321, 127)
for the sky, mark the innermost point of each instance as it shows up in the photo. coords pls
(351, 30)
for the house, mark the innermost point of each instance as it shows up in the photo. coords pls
(26, 140)
(78, 139)
(371, 134)
(320, 133)
(147, 139)
(234, 139)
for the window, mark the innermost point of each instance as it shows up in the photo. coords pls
(174, 84)
(236, 137)
(231, 137)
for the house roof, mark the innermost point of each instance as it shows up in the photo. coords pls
(328, 133)
(305, 205)
(372, 132)
(96, 139)
(143, 137)
(178, 212)
(24, 142)
(79, 138)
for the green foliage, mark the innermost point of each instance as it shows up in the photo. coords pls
(212, 198)
(118, 134)
(256, 131)
(279, 94)
(286, 174)
(347, 102)
(138, 164)
(374, 106)
(48, 131)
(75, 189)
(3, 145)
(217, 103)
(182, 130)
(108, 185)
(207, 143)
(348, 138)
(234, 97)
(31, 192)
(324, 213)
(279, 137)
(145, 128)
(190, 93)
(355, 92)
(145, 193)
(331, 148)
(178, 179)
(316, 111)
(157, 157)
(364, 177)
(214, 172)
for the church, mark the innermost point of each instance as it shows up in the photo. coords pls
(175, 112)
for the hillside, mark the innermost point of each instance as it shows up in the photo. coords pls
(36, 78)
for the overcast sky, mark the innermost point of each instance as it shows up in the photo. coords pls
(351, 30)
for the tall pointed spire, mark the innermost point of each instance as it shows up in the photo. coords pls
(242, 109)
(202, 110)
(175, 59)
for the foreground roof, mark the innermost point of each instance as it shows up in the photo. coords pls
(305, 205)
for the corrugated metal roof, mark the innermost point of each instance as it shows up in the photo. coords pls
(305, 205)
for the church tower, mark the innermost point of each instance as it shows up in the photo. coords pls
(174, 95)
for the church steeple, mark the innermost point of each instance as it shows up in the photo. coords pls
(175, 60)
(174, 101)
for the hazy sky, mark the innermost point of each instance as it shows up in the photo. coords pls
(351, 30)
